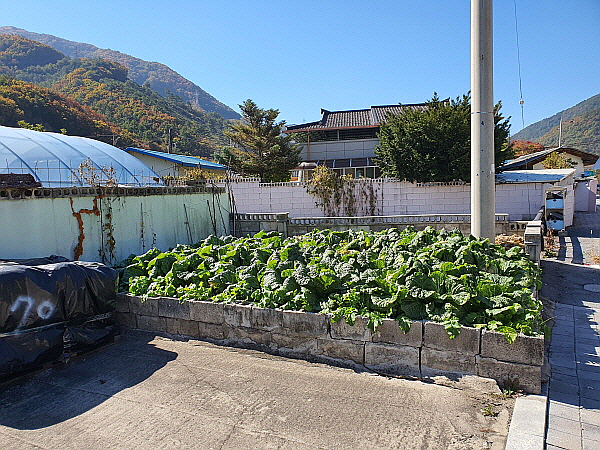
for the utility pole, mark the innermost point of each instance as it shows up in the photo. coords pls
(170, 143)
(483, 183)
(560, 133)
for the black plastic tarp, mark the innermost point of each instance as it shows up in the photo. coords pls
(49, 307)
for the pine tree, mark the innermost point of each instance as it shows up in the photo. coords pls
(258, 146)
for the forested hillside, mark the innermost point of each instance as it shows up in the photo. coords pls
(139, 114)
(21, 101)
(158, 76)
(580, 127)
(581, 132)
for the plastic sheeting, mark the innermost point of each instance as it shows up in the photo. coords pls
(50, 308)
(55, 160)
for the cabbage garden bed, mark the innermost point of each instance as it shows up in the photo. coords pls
(404, 275)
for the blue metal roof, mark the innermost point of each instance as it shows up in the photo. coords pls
(533, 176)
(187, 161)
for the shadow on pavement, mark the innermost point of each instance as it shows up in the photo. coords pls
(575, 340)
(578, 256)
(564, 282)
(57, 395)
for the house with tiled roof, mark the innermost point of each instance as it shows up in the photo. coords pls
(580, 159)
(345, 141)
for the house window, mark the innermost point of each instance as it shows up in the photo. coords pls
(336, 135)
(358, 133)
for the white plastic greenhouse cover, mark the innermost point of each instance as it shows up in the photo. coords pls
(54, 159)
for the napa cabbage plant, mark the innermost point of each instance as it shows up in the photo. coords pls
(405, 275)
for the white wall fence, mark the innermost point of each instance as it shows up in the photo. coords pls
(521, 201)
(107, 224)
(243, 224)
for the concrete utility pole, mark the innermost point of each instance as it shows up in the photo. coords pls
(170, 141)
(483, 186)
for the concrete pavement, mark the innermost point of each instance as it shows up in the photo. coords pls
(151, 392)
(571, 280)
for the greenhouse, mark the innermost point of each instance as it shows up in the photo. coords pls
(57, 160)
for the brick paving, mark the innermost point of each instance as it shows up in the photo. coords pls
(574, 387)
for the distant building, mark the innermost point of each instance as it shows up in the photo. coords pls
(345, 141)
(172, 164)
(535, 161)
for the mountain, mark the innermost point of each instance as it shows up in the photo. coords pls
(581, 132)
(158, 76)
(580, 127)
(19, 53)
(21, 101)
(136, 115)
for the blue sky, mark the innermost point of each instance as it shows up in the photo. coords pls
(301, 56)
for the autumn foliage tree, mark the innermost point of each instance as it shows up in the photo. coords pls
(259, 148)
(521, 148)
(558, 160)
(24, 103)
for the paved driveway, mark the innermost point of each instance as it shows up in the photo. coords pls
(152, 392)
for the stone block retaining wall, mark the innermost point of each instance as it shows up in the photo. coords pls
(425, 351)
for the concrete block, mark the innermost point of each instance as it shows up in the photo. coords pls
(435, 336)
(293, 345)
(389, 331)
(343, 349)
(267, 319)
(181, 327)
(433, 361)
(513, 375)
(125, 319)
(211, 331)
(207, 312)
(122, 303)
(244, 335)
(148, 307)
(305, 324)
(525, 350)
(237, 315)
(359, 331)
(393, 359)
(173, 308)
(151, 323)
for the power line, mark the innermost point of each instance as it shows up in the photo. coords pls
(521, 101)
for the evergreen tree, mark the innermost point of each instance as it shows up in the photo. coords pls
(258, 146)
(434, 143)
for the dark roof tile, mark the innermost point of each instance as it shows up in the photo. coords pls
(356, 118)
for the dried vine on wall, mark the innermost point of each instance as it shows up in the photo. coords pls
(343, 195)
(96, 176)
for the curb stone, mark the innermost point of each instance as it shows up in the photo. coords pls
(527, 430)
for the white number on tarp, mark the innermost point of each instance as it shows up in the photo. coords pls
(45, 310)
